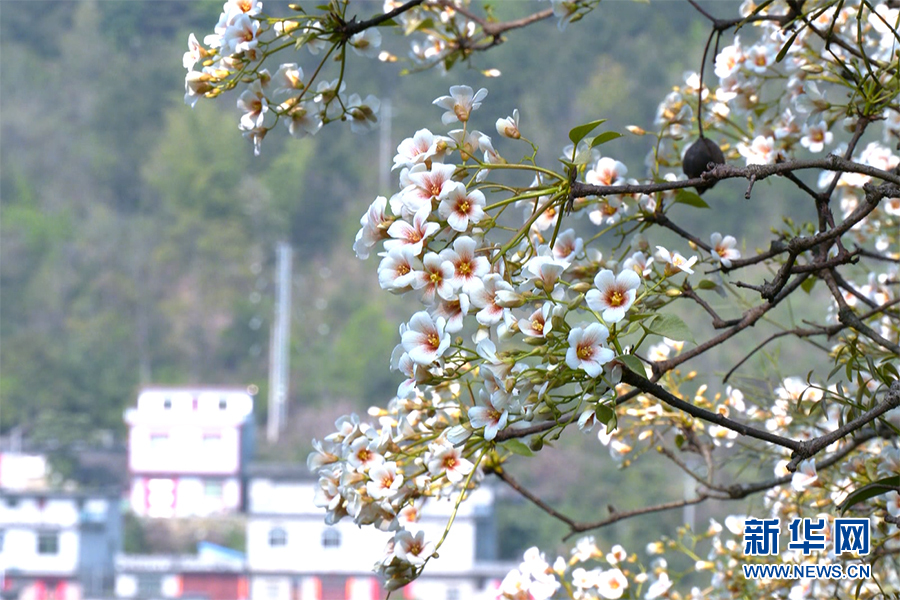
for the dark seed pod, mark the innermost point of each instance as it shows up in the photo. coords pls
(698, 158)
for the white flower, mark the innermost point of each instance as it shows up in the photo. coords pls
(659, 587)
(612, 583)
(460, 207)
(675, 262)
(366, 43)
(424, 339)
(302, 119)
(761, 151)
(484, 296)
(288, 79)
(397, 270)
(460, 103)
(805, 475)
(372, 229)
(414, 235)
(385, 481)
(614, 294)
(468, 269)
(509, 127)
(723, 249)
(240, 35)
(587, 350)
(816, 137)
(607, 171)
(423, 185)
(434, 278)
(412, 549)
(363, 114)
(539, 322)
(492, 418)
(421, 147)
(195, 53)
(448, 460)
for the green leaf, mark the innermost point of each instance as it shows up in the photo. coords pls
(633, 363)
(808, 284)
(672, 327)
(787, 46)
(876, 488)
(706, 284)
(606, 136)
(579, 133)
(690, 198)
(517, 447)
(604, 414)
(889, 369)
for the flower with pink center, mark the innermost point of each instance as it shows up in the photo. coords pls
(614, 294)
(424, 338)
(412, 549)
(723, 249)
(761, 151)
(413, 235)
(373, 229)
(568, 246)
(460, 103)
(454, 311)
(384, 481)
(492, 418)
(420, 148)
(255, 107)
(288, 79)
(675, 262)
(363, 454)
(805, 475)
(611, 584)
(546, 269)
(434, 278)
(240, 35)
(587, 350)
(467, 267)
(484, 296)
(539, 323)
(639, 263)
(422, 186)
(729, 59)
(607, 171)
(816, 136)
(447, 459)
(398, 269)
(459, 206)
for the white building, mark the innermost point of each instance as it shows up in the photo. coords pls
(57, 545)
(293, 555)
(186, 451)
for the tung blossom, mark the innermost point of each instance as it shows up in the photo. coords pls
(723, 249)
(460, 103)
(425, 339)
(587, 350)
(614, 294)
(460, 207)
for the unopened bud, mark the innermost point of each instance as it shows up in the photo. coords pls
(582, 286)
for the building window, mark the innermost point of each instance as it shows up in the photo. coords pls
(212, 489)
(277, 537)
(158, 441)
(167, 403)
(48, 542)
(452, 594)
(12, 501)
(331, 538)
(149, 585)
(223, 403)
(2, 536)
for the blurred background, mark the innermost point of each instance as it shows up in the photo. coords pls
(138, 259)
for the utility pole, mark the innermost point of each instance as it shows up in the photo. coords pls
(384, 147)
(279, 344)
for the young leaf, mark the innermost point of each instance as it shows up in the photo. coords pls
(876, 488)
(690, 198)
(787, 46)
(606, 136)
(517, 447)
(604, 414)
(633, 363)
(672, 327)
(579, 133)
